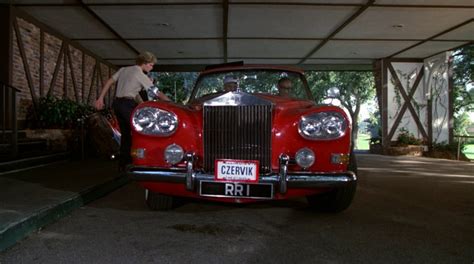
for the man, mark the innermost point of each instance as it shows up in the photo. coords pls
(284, 87)
(130, 80)
(230, 84)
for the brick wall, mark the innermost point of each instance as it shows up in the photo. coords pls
(88, 78)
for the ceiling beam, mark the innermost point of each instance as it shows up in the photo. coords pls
(432, 37)
(114, 4)
(307, 67)
(347, 22)
(329, 4)
(294, 4)
(187, 4)
(424, 6)
(225, 27)
(236, 58)
(179, 68)
(266, 38)
(337, 67)
(149, 39)
(97, 17)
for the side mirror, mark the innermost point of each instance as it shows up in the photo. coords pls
(333, 92)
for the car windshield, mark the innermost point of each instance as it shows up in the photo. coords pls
(274, 82)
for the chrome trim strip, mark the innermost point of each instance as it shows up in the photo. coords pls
(284, 159)
(190, 175)
(233, 197)
(293, 180)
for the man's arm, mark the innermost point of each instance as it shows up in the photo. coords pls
(147, 83)
(99, 104)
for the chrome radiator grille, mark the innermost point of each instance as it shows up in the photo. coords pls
(238, 132)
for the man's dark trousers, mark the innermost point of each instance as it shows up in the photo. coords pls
(123, 108)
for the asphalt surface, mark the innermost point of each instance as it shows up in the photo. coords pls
(406, 210)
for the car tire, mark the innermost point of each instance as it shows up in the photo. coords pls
(159, 202)
(338, 199)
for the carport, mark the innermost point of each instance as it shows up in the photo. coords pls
(406, 208)
(405, 43)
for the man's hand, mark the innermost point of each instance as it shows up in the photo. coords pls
(99, 104)
(163, 97)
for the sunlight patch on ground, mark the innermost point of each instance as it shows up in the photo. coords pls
(410, 173)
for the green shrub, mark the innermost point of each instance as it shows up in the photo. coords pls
(448, 147)
(406, 138)
(55, 112)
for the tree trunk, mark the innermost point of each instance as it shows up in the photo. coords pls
(355, 124)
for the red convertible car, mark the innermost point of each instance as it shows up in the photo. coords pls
(245, 142)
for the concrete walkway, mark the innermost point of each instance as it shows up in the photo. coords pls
(406, 210)
(32, 198)
(439, 183)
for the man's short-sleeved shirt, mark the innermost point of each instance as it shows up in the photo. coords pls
(130, 80)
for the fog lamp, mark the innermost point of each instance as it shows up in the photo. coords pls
(138, 153)
(174, 154)
(340, 159)
(305, 158)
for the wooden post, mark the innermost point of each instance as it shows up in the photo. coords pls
(5, 42)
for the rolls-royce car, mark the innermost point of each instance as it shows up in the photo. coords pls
(246, 134)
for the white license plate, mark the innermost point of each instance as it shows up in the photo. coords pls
(236, 170)
(236, 190)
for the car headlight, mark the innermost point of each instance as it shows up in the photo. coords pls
(322, 125)
(154, 121)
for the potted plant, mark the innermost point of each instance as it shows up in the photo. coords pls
(406, 144)
(375, 145)
(57, 121)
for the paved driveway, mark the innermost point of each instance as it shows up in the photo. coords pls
(406, 210)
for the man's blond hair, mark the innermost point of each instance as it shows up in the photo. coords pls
(145, 57)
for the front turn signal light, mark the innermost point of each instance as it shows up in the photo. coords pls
(340, 158)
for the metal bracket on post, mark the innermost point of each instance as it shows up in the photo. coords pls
(190, 176)
(284, 160)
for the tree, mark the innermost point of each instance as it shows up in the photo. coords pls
(375, 128)
(463, 90)
(355, 88)
(176, 85)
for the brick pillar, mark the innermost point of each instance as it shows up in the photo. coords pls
(5, 43)
(6, 104)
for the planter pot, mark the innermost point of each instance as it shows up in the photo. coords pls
(410, 150)
(440, 154)
(58, 140)
(375, 148)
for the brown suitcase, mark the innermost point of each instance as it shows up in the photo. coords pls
(104, 134)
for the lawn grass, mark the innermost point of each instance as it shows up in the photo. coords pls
(364, 139)
(363, 142)
(469, 151)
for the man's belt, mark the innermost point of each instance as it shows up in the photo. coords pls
(125, 98)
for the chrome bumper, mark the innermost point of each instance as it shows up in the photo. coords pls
(283, 179)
